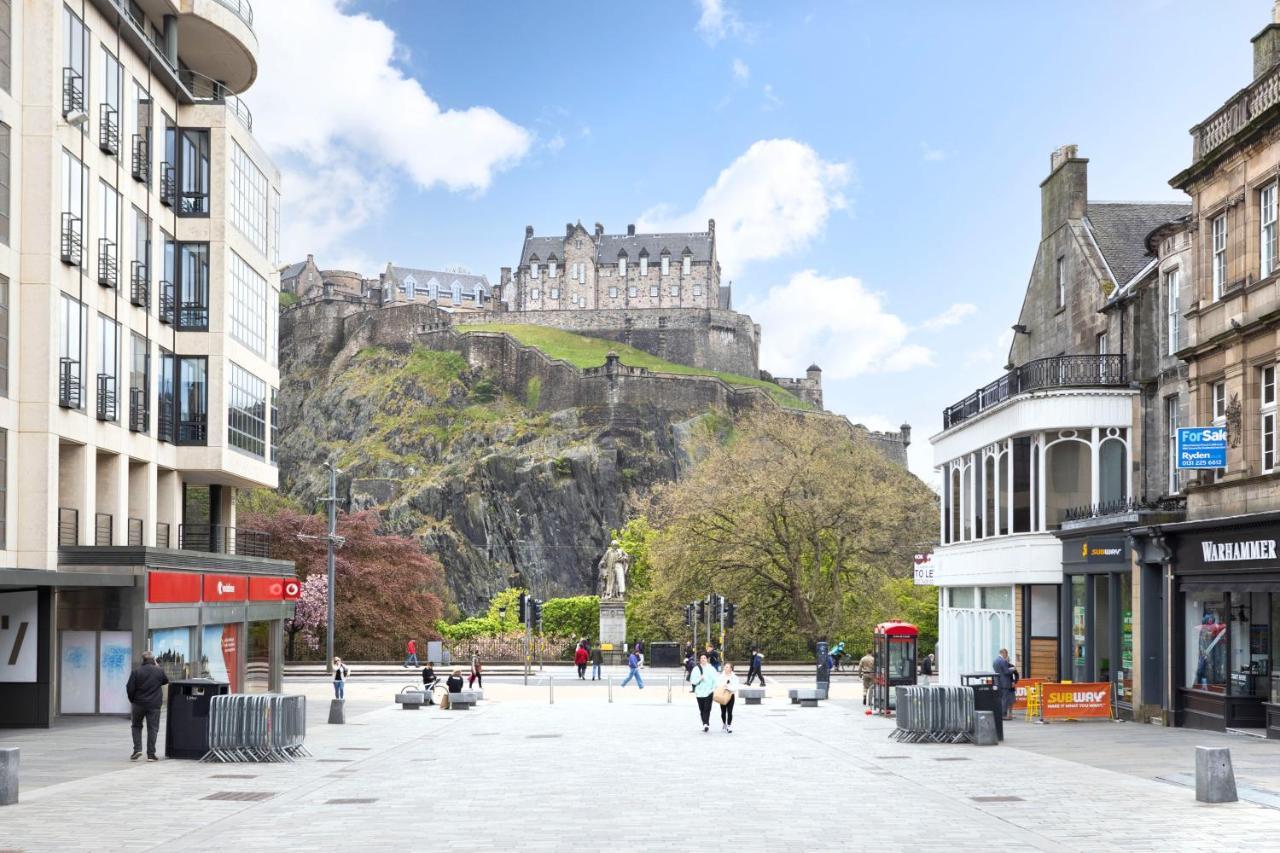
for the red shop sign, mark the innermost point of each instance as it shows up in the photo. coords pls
(225, 587)
(292, 589)
(172, 588)
(266, 589)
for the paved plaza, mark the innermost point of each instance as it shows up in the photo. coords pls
(519, 772)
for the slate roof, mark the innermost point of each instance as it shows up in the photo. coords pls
(608, 246)
(444, 279)
(1121, 229)
(293, 270)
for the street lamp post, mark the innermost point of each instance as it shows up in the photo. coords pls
(333, 541)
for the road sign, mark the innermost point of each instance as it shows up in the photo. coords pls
(1202, 447)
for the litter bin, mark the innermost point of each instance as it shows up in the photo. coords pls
(186, 731)
(986, 696)
(662, 654)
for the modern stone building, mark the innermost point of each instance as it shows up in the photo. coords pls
(593, 270)
(139, 233)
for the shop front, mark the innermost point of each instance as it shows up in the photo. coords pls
(1097, 608)
(1225, 620)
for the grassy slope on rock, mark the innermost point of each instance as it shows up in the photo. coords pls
(582, 351)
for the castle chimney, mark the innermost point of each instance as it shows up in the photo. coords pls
(528, 231)
(568, 229)
(311, 259)
(905, 429)
(1065, 193)
(1266, 45)
(711, 227)
(631, 231)
(814, 373)
(599, 230)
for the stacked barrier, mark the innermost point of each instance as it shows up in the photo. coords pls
(257, 727)
(934, 714)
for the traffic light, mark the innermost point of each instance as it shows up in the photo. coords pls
(537, 615)
(702, 610)
(688, 615)
(728, 616)
(524, 609)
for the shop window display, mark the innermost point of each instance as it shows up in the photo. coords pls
(1206, 639)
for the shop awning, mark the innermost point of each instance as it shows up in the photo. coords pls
(41, 577)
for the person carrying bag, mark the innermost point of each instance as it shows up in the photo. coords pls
(726, 692)
(704, 678)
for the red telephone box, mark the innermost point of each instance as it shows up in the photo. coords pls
(895, 654)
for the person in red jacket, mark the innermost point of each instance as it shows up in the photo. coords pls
(580, 658)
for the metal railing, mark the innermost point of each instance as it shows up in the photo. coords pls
(108, 128)
(139, 417)
(108, 270)
(72, 91)
(135, 531)
(68, 527)
(220, 539)
(192, 431)
(253, 727)
(1127, 506)
(168, 189)
(103, 527)
(69, 391)
(208, 91)
(193, 317)
(164, 422)
(166, 302)
(71, 243)
(162, 534)
(242, 9)
(1061, 371)
(139, 284)
(106, 397)
(141, 159)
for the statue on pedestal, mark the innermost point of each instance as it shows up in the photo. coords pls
(613, 572)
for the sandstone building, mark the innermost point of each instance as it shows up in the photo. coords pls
(139, 229)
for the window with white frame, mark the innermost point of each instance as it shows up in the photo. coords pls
(1267, 408)
(248, 198)
(1171, 431)
(246, 411)
(666, 265)
(108, 367)
(697, 290)
(633, 292)
(675, 290)
(551, 269)
(582, 273)
(1171, 284)
(533, 270)
(1267, 216)
(686, 265)
(1219, 398)
(1062, 281)
(1219, 229)
(653, 290)
(535, 294)
(644, 265)
(613, 293)
(555, 293)
(622, 266)
(248, 305)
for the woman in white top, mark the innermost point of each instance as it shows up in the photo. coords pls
(728, 681)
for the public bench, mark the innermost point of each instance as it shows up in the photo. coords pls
(463, 701)
(807, 697)
(411, 698)
(751, 695)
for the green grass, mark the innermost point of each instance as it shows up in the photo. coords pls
(582, 351)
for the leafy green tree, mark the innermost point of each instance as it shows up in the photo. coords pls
(574, 617)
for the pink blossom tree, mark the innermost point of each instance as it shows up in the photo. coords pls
(310, 614)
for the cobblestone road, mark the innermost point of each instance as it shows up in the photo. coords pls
(638, 774)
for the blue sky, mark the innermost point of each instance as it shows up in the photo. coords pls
(875, 166)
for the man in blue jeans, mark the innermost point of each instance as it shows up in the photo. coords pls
(634, 662)
(597, 658)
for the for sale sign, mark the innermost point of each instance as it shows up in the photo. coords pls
(1202, 447)
(1078, 701)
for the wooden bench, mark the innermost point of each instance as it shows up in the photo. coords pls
(751, 695)
(410, 698)
(807, 697)
(462, 701)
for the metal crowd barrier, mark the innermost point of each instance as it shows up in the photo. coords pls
(934, 714)
(257, 727)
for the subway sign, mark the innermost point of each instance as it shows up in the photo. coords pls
(1202, 447)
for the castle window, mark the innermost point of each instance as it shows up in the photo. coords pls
(551, 269)
(613, 293)
(533, 270)
(697, 290)
(555, 293)
(631, 291)
(666, 264)
(687, 264)
(675, 290)
(582, 273)
(456, 293)
(534, 294)
(653, 290)
(644, 265)
(622, 266)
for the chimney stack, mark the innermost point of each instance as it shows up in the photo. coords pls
(528, 231)
(631, 231)
(711, 227)
(568, 229)
(1064, 195)
(599, 230)
(1266, 45)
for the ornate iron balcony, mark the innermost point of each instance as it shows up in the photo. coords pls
(1062, 371)
(1127, 506)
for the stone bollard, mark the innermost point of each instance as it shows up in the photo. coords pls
(668, 690)
(984, 728)
(551, 685)
(337, 711)
(611, 688)
(1215, 778)
(9, 775)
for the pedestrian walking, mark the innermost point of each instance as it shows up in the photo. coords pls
(580, 657)
(475, 671)
(836, 654)
(755, 670)
(1006, 678)
(926, 668)
(144, 689)
(340, 672)
(411, 653)
(703, 678)
(640, 651)
(867, 669)
(597, 658)
(713, 657)
(633, 661)
(726, 692)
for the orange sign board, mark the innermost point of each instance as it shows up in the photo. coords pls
(1075, 701)
(1020, 692)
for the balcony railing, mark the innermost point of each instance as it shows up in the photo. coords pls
(242, 9)
(193, 431)
(1062, 371)
(108, 269)
(220, 539)
(106, 397)
(193, 317)
(68, 526)
(1127, 506)
(164, 421)
(207, 91)
(103, 527)
(168, 189)
(71, 243)
(139, 285)
(141, 159)
(135, 531)
(139, 416)
(1248, 104)
(72, 92)
(166, 302)
(68, 383)
(108, 129)
(162, 534)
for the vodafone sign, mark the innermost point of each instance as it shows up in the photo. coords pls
(226, 588)
(191, 588)
(292, 589)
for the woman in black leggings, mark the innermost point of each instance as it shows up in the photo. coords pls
(703, 677)
(728, 681)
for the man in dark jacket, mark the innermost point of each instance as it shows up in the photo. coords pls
(1006, 678)
(144, 690)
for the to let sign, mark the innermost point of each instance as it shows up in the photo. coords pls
(923, 570)
(1202, 447)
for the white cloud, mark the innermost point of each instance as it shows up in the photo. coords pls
(556, 143)
(992, 357)
(360, 114)
(741, 71)
(951, 317)
(836, 322)
(772, 200)
(717, 21)
(932, 155)
(771, 100)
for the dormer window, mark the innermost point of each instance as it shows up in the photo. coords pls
(644, 265)
(533, 269)
(687, 264)
(622, 265)
(666, 264)
(551, 268)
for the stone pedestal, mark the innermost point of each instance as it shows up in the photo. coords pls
(1215, 777)
(984, 728)
(613, 624)
(337, 711)
(9, 776)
